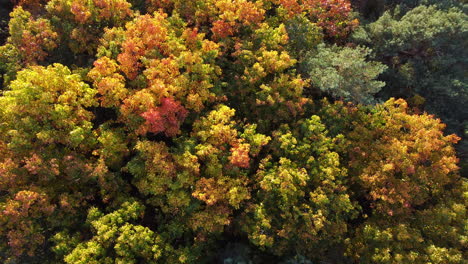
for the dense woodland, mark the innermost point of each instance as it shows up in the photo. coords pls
(233, 131)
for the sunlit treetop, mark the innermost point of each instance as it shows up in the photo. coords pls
(144, 131)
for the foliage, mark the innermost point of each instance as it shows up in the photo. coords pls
(406, 177)
(334, 16)
(116, 240)
(436, 234)
(33, 38)
(193, 132)
(81, 23)
(426, 54)
(345, 73)
(412, 163)
(30, 41)
(46, 138)
(302, 204)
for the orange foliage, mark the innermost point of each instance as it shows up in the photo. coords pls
(34, 38)
(334, 16)
(142, 36)
(34, 6)
(18, 217)
(240, 155)
(409, 161)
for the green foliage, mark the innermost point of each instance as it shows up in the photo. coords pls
(345, 73)
(116, 239)
(9, 63)
(47, 106)
(302, 204)
(30, 41)
(425, 51)
(46, 139)
(192, 132)
(303, 36)
(432, 235)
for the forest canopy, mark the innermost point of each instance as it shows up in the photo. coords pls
(233, 131)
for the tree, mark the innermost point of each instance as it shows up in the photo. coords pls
(191, 132)
(345, 73)
(115, 238)
(424, 50)
(31, 40)
(46, 139)
(406, 182)
(82, 23)
(302, 205)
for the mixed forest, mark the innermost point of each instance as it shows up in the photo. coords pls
(233, 131)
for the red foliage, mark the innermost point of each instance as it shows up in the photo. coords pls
(165, 118)
(223, 29)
